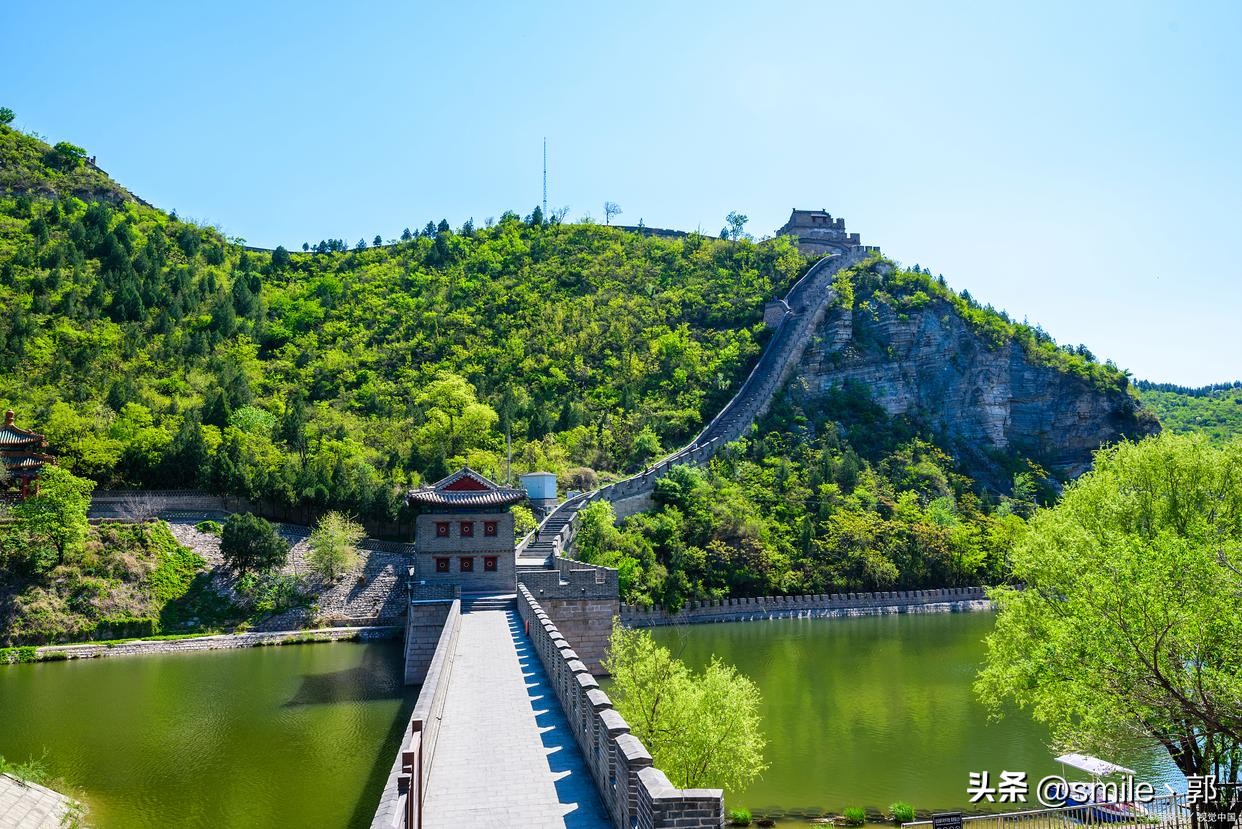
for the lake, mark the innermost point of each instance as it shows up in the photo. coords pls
(297, 735)
(870, 710)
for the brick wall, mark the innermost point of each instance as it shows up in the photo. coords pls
(812, 606)
(476, 547)
(635, 793)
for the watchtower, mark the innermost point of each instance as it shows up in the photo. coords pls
(463, 535)
(818, 233)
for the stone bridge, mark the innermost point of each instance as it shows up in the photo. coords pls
(511, 727)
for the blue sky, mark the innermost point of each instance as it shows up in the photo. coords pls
(1076, 164)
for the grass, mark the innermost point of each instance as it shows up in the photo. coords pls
(855, 816)
(902, 812)
(739, 817)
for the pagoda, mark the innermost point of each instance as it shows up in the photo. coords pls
(22, 457)
(463, 535)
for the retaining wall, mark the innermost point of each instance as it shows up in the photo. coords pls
(634, 792)
(401, 801)
(812, 606)
(211, 643)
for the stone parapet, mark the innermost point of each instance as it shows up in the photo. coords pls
(634, 792)
(401, 800)
(826, 605)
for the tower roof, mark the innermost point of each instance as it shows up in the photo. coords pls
(467, 489)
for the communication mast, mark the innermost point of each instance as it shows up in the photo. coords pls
(545, 178)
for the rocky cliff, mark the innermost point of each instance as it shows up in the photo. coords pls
(987, 389)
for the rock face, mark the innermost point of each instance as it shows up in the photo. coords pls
(983, 402)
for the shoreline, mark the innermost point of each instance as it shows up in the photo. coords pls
(208, 642)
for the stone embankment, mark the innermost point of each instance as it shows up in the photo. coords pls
(822, 606)
(90, 650)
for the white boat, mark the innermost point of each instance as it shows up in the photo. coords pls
(1100, 799)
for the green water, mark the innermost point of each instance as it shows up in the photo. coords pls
(867, 711)
(299, 735)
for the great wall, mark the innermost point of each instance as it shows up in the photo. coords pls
(506, 655)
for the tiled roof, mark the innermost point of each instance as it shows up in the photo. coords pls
(24, 461)
(466, 488)
(13, 436)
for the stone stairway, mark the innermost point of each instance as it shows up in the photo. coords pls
(482, 602)
(537, 555)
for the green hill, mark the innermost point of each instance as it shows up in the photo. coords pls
(1215, 411)
(153, 352)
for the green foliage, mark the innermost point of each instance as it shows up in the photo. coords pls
(902, 812)
(702, 729)
(53, 521)
(250, 543)
(1127, 631)
(270, 592)
(123, 581)
(32, 770)
(210, 527)
(19, 655)
(855, 816)
(740, 817)
(6, 116)
(860, 503)
(155, 353)
(1216, 413)
(523, 521)
(334, 545)
(66, 156)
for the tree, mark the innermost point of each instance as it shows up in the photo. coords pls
(250, 543)
(306, 246)
(6, 116)
(406, 235)
(67, 156)
(280, 257)
(736, 223)
(55, 517)
(611, 208)
(377, 241)
(362, 245)
(703, 730)
(334, 545)
(1126, 632)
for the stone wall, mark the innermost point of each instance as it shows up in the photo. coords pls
(210, 643)
(812, 606)
(582, 599)
(401, 801)
(429, 609)
(634, 792)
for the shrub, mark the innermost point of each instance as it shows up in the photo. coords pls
(334, 545)
(13, 656)
(855, 816)
(901, 812)
(739, 817)
(210, 527)
(250, 543)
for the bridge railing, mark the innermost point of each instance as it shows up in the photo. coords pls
(1168, 810)
(401, 803)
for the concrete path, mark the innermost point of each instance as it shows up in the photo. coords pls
(29, 806)
(505, 756)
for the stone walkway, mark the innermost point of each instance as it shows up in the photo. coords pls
(505, 756)
(29, 806)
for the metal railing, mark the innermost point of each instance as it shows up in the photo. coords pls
(1170, 810)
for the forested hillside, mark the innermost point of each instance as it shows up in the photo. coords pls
(153, 352)
(834, 492)
(1215, 410)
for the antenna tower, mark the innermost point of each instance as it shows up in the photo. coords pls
(545, 178)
